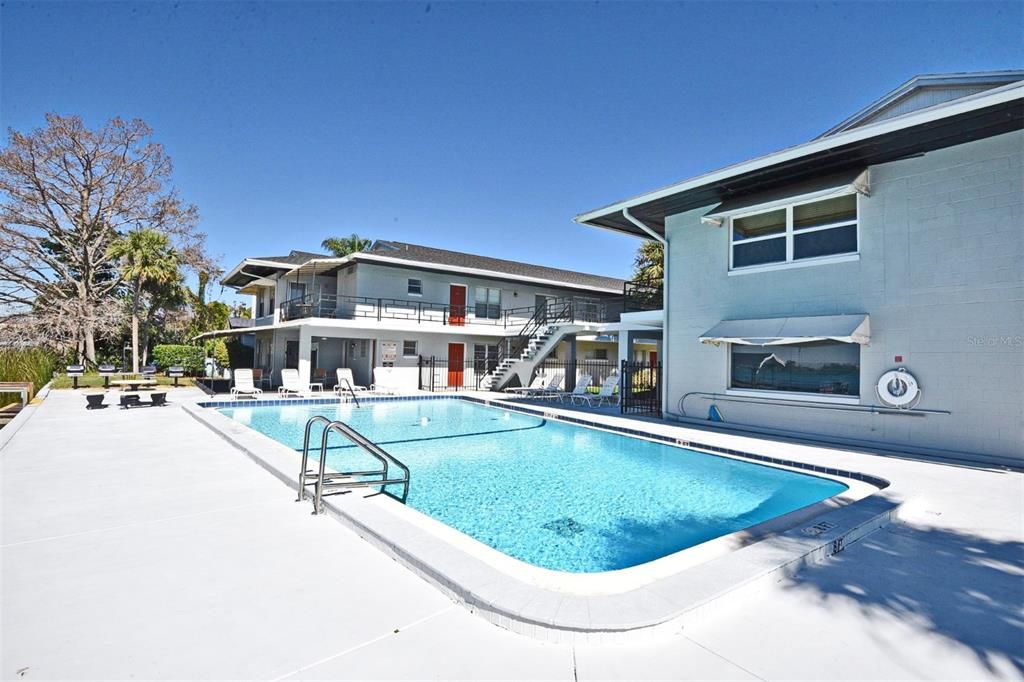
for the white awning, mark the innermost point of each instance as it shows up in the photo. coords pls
(779, 331)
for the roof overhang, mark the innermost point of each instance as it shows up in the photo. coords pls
(782, 331)
(252, 271)
(990, 113)
(240, 331)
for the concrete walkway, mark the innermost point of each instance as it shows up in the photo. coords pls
(136, 544)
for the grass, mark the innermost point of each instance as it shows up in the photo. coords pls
(26, 364)
(96, 381)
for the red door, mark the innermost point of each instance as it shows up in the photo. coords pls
(456, 356)
(457, 305)
(654, 358)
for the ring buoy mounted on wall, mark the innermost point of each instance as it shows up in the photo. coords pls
(898, 388)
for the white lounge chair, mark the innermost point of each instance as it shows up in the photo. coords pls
(384, 382)
(537, 384)
(244, 385)
(606, 396)
(346, 381)
(582, 384)
(553, 386)
(290, 384)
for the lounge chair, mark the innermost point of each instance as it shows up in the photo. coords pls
(606, 396)
(553, 387)
(582, 384)
(244, 384)
(537, 384)
(346, 381)
(290, 384)
(383, 382)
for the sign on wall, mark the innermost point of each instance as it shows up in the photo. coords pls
(388, 351)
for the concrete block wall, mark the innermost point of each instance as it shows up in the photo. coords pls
(941, 274)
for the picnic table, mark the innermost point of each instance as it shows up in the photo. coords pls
(134, 384)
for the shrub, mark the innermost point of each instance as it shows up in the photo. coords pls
(189, 357)
(218, 350)
(239, 354)
(25, 364)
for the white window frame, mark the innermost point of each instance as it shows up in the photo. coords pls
(786, 396)
(408, 285)
(416, 348)
(789, 235)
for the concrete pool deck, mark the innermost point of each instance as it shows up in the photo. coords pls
(136, 544)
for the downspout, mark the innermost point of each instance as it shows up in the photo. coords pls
(664, 301)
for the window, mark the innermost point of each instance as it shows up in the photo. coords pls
(410, 349)
(485, 356)
(415, 287)
(296, 290)
(600, 353)
(815, 229)
(488, 303)
(821, 367)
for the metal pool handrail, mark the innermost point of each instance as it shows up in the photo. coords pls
(351, 390)
(343, 480)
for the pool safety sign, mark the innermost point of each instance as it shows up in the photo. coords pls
(388, 351)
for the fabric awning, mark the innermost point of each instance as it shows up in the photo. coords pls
(819, 188)
(779, 331)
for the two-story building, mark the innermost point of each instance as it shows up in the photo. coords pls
(866, 287)
(396, 304)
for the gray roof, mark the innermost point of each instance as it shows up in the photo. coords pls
(442, 257)
(293, 258)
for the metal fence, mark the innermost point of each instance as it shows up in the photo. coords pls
(641, 388)
(599, 371)
(437, 374)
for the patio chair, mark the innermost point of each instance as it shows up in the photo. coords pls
(582, 384)
(553, 386)
(244, 384)
(537, 384)
(606, 396)
(383, 382)
(346, 381)
(290, 384)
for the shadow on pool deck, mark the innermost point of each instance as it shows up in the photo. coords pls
(963, 588)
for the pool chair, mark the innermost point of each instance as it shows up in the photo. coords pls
(606, 396)
(537, 384)
(553, 386)
(346, 381)
(290, 384)
(582, 384)
(244, 385)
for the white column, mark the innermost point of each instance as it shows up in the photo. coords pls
(305, 350)
(625, 348)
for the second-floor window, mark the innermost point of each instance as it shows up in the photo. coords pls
(790, 234)
(296, 290)
(416, 287)
(488, 303)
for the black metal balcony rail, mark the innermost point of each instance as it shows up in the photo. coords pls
(332, 306)
(642, 295)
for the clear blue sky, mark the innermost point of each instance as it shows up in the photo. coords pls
(475, 127)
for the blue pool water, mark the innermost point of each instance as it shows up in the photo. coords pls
(555, 495)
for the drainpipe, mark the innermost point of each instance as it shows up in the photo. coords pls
(664, 302)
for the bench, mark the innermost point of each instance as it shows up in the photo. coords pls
(157, 399)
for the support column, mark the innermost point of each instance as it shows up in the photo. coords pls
(570, 365)
(305, 351)
(625, 346)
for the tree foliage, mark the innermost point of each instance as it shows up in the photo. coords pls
(343, 246)
(67, 194)
(649, 263)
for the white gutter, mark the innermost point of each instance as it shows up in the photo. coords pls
(1001, 95)
(643, 226)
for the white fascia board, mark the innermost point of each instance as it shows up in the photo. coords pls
(1006, 93)
(492, 274)
(251, 261)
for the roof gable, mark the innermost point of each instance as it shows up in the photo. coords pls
(925, 91)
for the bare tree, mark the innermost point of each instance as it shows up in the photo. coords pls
(66, 194)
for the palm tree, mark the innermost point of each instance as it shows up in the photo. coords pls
(144, 256)
(343, 246)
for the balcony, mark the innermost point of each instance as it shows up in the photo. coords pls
(641, 296)
(334, 307)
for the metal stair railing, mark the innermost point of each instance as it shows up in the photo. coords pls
(346, 480)
(560, 310)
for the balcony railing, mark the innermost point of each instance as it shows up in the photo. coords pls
(332, 306)
(640, 295)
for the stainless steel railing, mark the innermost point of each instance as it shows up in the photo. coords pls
(341, 481)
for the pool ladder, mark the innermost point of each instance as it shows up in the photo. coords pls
(324, 482)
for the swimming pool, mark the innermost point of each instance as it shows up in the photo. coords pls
(552, 494)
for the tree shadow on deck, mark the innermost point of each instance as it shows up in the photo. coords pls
(966, 589)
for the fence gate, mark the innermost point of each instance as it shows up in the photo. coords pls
(641, 388)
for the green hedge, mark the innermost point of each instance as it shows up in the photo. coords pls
(25, 364)
(189, 357)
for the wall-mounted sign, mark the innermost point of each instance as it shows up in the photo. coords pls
(388, 351)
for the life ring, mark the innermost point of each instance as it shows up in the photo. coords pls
(898, 388)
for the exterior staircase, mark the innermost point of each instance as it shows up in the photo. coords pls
(534, 349)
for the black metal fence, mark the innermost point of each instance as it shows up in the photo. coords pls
(437, 374)
(642, 295)
(640, 388)
(598, 370)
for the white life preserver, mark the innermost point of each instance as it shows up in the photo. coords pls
(898, 388)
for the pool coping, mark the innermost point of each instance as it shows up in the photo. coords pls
(665, 600)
